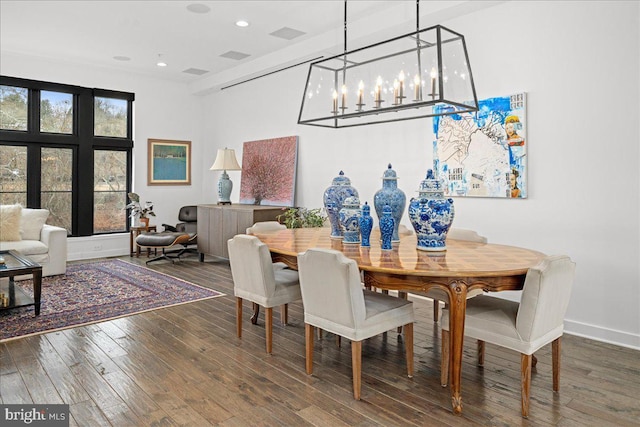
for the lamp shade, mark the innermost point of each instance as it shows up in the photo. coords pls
(225, 160)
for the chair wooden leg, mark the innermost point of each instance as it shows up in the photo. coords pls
(525, 373)
(338, 341)
(319, 332)
(284, 313)
(444, 359)
(239, 316)
(480, 353)
(555, 356)
(408, 347)
(308, 335)
(436, 310)
(404, 296)
(268, 320)
(356, 366)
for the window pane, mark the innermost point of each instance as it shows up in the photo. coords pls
(13, 175)
(110, 117)
(13, 107)
(109, 191)
(56, 112)
(56, 186)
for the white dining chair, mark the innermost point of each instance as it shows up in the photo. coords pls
(334, 300)
(265, 227)
(524, 327)
(438, 295)
(257, 279)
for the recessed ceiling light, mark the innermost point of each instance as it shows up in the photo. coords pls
(242, 23)
(161, 62)
(122, 58)
(198, 8)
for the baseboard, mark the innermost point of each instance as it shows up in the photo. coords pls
(598, 333)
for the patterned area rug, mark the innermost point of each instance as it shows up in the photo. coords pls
(96, 292)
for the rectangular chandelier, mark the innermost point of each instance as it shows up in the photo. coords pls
(398, 79)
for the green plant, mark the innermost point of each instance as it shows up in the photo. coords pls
(302, 217)
(137, 209)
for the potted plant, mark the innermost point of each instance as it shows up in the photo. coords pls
(138, 210)
(302, 217)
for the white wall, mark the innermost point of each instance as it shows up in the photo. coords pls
(579, 64)
(162, 110)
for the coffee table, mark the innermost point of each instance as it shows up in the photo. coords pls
(16, 265)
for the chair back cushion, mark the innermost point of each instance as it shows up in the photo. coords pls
(545, 297)
(251, 267)
(10, 223)
(331, 289)
(265, 227)
(32, 222)
(188, 214)
(464, 234)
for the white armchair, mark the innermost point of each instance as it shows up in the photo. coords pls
(335, 301)
(524, 327)
(42, 243)
(260, 281)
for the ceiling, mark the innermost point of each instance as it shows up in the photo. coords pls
(134, 35)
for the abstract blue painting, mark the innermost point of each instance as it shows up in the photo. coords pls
(483, 154)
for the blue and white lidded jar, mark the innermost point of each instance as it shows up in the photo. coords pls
(350, 220)
(431, 214)
(334, 197)
(366, 225)
(386, 228)
(391, 195)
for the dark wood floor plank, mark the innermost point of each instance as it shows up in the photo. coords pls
(184, 365)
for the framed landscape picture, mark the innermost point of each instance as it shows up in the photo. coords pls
(168, 162)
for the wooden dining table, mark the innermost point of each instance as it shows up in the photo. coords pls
(462, 267)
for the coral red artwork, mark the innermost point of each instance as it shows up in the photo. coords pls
(269, 171)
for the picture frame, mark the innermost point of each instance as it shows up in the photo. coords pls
(269, 171)
(168, 162)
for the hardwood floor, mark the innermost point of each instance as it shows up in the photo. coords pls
(184, 366)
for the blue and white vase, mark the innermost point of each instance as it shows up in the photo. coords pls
(391, 195)
(350, 220)
(366, 225)
(334, 197)
(386, 228)
(431, 214)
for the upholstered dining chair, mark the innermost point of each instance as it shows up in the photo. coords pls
(257, 279)
(334, 300)
(265, 227)
(438, 295)
(524, 327)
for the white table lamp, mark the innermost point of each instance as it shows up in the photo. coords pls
(225, 160)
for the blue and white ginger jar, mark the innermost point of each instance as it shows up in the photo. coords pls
(366, 225)
(431, 214)
(334, 197)
(391, 195)
(350, 220)
(386, 228)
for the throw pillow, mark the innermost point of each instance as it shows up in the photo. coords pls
(10, 223)
(32, 222)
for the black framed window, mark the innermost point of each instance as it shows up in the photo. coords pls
(67, 149)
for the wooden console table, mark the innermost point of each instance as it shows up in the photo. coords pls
(219, 223)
